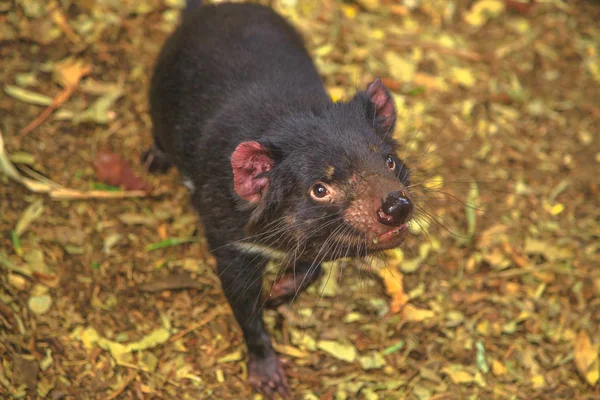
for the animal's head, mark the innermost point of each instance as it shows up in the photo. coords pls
(328, 184)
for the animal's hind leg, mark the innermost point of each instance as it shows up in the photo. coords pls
(295, 281)
(155, 160)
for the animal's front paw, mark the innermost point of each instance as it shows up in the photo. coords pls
(267, 377)
(282, 291)
(155, 161)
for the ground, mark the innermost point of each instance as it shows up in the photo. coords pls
(495, 295)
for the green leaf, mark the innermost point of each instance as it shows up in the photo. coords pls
(480, 358)
(27, 96)
(16, 243)
(31, 213)
(170, 242)
(394, 348)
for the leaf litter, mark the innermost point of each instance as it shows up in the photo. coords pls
(500, 301)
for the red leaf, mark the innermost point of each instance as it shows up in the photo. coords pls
(113, 170)
(518, 6)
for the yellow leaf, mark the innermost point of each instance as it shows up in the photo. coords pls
(463, 76)
(554, 209)
(483, 328)
(345, 352)
(498, 368)
(349, 11)
(412, 313)
(235, 356)
(289, 350)
(401, 69)
(483, 10)
(586, 358)
(458, 374)
(70, 71)
(538, 381)
(393, 281)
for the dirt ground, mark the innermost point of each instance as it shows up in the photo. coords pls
(495, 294)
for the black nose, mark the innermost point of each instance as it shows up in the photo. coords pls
(395, 209)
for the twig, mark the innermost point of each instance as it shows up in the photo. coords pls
(57, 102)
(197, 325)
(72, 194)
(138, 368)
(123, 386)
(466, 54)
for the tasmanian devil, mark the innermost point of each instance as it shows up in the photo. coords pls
(274, 167)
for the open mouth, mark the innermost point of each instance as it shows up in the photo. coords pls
(391, 238)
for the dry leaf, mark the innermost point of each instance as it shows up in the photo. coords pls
(393, 281)
(458, 374)
(586, 358)
(344, 352)
(113, 170)
(412, 313)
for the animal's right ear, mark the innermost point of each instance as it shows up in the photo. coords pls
(382, 111)
(250, 162)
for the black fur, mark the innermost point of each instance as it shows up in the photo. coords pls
(238, 72)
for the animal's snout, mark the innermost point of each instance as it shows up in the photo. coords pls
(395, 209)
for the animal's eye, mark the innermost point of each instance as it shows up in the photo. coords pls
(319, 192)
(389, 161)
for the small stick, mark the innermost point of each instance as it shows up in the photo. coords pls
(467, 54)
(195, 326)
(57, 102)
(132, 373)
(71, 194)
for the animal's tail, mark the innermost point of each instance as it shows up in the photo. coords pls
(191, 5)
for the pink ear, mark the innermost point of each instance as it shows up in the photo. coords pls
(248, 161)
(384, 104)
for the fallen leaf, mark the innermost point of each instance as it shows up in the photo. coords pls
(394, 348)
(463, 77)
(414, 314)
(26, 371)
(289, 350)
(31, 213)
(482, 11)
(148, 361)
(40, 304)
(498, 369)
(173, 281)
(344, 352)
(113, 170)
(100, 111)
(47, 361)
(547, 249)
(519, 6)
(111, 241)
(480, 358)
(231, 357)
(27, 96)
(401, 69)
(170, 242)
(458, 374)
(586, 358)
(393, 281)
(119, 351)
(372, 361)
(69, 72)
(36, 260)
